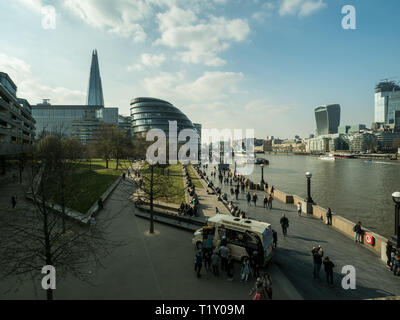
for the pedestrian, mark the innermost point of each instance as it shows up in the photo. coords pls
(265, 201)
(260, 293)
(123, 176)
(100, 204)
(270, 201)
(267, 283)
(255, 264)
(215, 263)
(255, 199)
(237, 194)
(358, 230)
(317, 253)
(248, 199)
(275, 238)
(207, 259)
(329, 217)
(299, 209)
(396, 264)
(92, 220)
(198, 263)
(13, 201)
(245, 270)
(224, 253)
(229, 268)
(389, 248)
(272, 190)
(285, 224)
(328, 265)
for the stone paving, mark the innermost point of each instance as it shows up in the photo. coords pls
(293, 255)
(159, 266)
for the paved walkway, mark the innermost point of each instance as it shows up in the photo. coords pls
(159, 266)
(293, 255)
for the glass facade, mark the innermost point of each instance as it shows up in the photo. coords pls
(150, 113)
(328, 119)
(393, 106)
(95, 90)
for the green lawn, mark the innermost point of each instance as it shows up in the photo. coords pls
(195, 178)
(86, 186)
(171, 188)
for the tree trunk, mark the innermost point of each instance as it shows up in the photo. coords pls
(151, 199)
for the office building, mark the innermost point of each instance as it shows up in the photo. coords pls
(328, 119)
(17, 126)
(151, 113)
(70, 120)
(387, 101)
(125, 123)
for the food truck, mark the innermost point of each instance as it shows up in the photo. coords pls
(242, 236)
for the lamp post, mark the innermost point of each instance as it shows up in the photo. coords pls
(310, 201)
(262, 174)
(396, 200)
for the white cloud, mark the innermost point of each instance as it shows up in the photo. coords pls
(119, 17)
(148, 60)
(204, 92)
(202, 40)
(31, 89)
(300, 7)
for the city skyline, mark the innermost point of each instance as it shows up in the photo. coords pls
(279, 59)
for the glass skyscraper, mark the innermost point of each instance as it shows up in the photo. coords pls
(328, 119)
(387, 102)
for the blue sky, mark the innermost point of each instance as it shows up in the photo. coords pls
(262, 64)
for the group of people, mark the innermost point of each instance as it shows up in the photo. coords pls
(318, 254)
(192, 208)
(393, 258)
(221, 259)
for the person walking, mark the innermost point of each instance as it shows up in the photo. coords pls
(224, 253)
(255, 265)
(260, 293)
(389, 248)
(299, 209)
(248, 197)
(358, 230)
(329, 217)
(215, 263)
(100, 204)
(270, 201)
(237, 193)
(275, 238)
(229, 268)
(245, 270)
(272, 190)
(255, 199)
(317, 253)
(328, 265)
(265, 201)
(198, 262)
(396, 263)
(285, 224)
(207, 259)
(13, 201)
(267, 283)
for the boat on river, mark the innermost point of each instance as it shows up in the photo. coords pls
(327, 157)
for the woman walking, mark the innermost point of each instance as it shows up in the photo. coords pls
(245, 269)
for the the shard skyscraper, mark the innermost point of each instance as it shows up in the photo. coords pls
(95, 90)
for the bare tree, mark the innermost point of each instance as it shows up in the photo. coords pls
(41, 236)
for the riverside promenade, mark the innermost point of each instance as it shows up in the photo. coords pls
(293, 255)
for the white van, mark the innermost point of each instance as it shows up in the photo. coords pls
(243, 236)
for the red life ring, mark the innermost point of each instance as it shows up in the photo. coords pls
(368, 238)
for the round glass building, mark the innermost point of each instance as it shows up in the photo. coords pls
(151, 113)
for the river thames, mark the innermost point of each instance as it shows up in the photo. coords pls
(353, 188)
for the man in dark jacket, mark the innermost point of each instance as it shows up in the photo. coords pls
(329, 217)
(198, 263)
(328, 264)
(317, 258)
(357, 229)
(389, 247)
(275, 237)
(285, 224)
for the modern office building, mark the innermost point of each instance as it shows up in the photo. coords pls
(151, 113)
(125, 123)
(328, 119)
(352, 129)
(387, 101)
(17, 126)
(70, 120)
